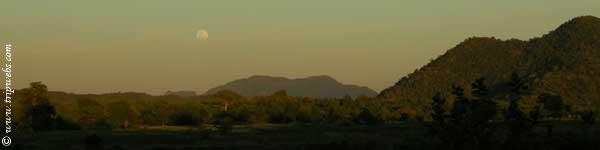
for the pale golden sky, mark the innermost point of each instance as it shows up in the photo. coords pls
(152, 46)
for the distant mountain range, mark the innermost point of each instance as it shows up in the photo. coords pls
(564, 62)
(181, 93)
(315, 86)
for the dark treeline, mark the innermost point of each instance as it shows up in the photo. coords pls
(36, 109)
(480, 122)
(39, 110)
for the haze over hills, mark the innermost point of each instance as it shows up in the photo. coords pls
(314, 86)
(564, 62)
(181, 93)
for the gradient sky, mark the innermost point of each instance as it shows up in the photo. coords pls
(151, 45)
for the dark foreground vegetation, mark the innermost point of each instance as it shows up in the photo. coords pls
(566, 135)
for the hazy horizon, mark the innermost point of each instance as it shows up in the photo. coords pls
(156, 46)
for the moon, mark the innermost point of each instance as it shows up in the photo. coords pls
(202, 35)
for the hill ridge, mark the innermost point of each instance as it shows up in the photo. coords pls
(561, 59)
(320, 86)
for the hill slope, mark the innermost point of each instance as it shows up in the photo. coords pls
(564, 62)
(315, 86)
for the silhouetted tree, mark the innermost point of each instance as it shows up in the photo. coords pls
(439, 127)
(553, 108)
(481, 115)
(480, 89)
(41, 115)
(366, 117)
(518, 84)
(516, 121)
(439, 113)
(460, 106)
(470, 123)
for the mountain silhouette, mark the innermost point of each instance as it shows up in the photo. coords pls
(314, 86)
(564, 62)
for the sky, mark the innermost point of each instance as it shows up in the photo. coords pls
(153, 46)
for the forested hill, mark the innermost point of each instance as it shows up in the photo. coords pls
(315, 86)
(564, 62)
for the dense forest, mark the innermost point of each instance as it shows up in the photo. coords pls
(40, 110)
(473, 120)
(125, 110)
(485, 93)
(564, 62)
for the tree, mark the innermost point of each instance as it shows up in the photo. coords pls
(516, 123)
(227, 97)
(366, 117)
(156, 112)
(461, 104)
(518, 84)
(224, 121)
(479, 88)
(470, 123)
(480, 116)
(41, 115)
(515, 120)
(189, 114)
(91, 114)
(122, 114)
(439, 127)
(306, 113)
(439, 113)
